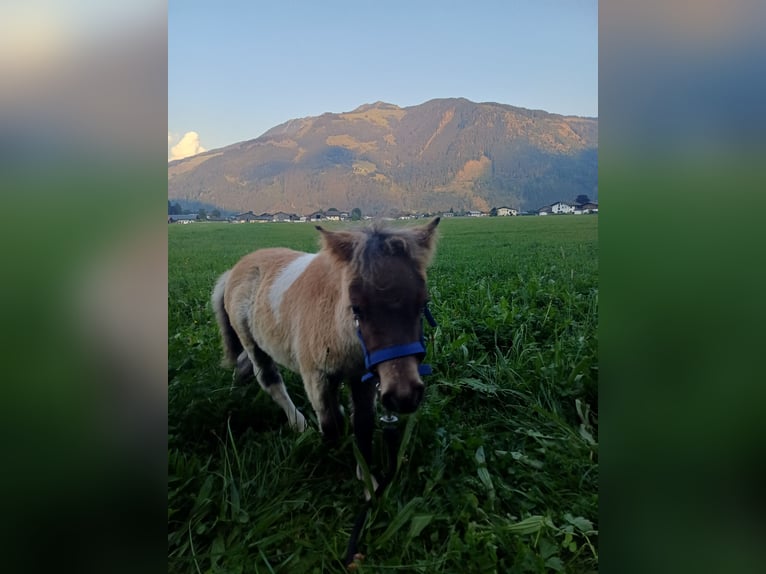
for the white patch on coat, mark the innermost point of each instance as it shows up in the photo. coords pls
(286, 278)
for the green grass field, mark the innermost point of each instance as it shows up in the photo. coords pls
(498, 468)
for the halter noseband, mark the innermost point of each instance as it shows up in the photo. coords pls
(395, 351)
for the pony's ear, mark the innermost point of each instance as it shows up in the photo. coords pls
(341, 243)
(426, 234)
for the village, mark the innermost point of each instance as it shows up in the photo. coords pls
(332, 214)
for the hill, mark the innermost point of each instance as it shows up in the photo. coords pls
(442, 154)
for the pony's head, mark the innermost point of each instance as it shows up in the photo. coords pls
(386, 273)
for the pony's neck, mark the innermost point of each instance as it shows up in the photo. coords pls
(337, 277)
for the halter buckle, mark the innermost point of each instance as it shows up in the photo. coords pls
(389, 418)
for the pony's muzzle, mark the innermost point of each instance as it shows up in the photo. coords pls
(403, 398)
(401, 389)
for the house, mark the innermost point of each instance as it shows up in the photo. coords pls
(187, 218)
(506, 211)
(245, 217)
(448, 214)
(589, 207)
(316, 216)
(562, 207)
(282, 216)
(332, 214)
(474, 213)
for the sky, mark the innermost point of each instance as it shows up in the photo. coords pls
(238, 68)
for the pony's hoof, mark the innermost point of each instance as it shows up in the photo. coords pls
(354, 565)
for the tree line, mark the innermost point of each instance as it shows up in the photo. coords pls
(176, 209)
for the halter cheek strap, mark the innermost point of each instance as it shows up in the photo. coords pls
(396, 351)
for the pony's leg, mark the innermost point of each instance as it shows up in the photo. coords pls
(322, 391)
(267, 375)
(244, 372)
(363, 419)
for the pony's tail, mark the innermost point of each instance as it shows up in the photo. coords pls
(232, 346)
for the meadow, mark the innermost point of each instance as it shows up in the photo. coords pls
(498, 469)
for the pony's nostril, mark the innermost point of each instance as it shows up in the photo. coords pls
(403, 403)
(390, 401)
(417, 395)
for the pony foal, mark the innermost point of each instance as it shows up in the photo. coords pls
(320, 315)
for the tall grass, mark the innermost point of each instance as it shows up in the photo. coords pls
(498, 469)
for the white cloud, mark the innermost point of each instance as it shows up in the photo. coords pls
(187, 146)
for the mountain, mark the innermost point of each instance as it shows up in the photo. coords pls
(383, 159)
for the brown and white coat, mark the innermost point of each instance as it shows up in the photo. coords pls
(301, 311)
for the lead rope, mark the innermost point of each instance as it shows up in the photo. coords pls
(391, 438)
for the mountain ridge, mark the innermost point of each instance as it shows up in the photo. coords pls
(382, 158)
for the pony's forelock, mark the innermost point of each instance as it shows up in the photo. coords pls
(365, 249)
(379, 241)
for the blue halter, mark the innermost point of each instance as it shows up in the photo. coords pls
(396, 351)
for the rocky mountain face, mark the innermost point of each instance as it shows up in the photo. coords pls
(383, 159)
